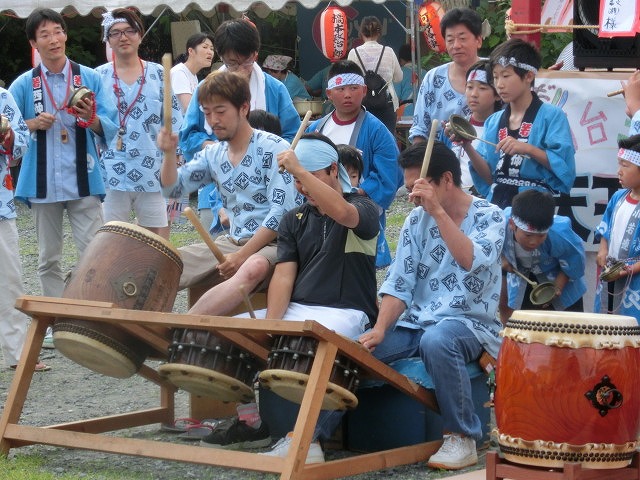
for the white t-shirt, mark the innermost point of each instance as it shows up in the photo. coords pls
(182, 80)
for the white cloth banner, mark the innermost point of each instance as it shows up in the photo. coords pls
(596, 121)
(618, 18)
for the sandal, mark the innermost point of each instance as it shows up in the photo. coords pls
(40, 367)
(200, 430)
(180, 425)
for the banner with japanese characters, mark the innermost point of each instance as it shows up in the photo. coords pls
(619, 18)
(597, 122)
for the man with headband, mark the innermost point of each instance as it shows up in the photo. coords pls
(350, 124)
(61, 169)
(132, 160)
(534, 143)
(326, 256)
(619, 235)
(543, 247)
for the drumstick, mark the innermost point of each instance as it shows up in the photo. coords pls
(615, 92)
(193, 217)
(166, 65)
(429, 149)
(303, 127)
(247, 301)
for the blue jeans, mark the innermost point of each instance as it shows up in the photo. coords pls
(445, 348)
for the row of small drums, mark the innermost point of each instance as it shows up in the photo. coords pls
(137, 269)
(568, 386)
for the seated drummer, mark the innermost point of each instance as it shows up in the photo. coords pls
(325, 269)
(254, 193)
(440, 296)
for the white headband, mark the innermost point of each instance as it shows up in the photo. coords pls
(344, 79)
(630, 156)
(477, 75)
(107, 22)
(527, 227)
(505, 62)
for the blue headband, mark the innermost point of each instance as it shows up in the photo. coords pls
(315, 155)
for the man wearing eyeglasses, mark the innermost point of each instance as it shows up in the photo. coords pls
(237, 43)
(132, 160)
(61, 169)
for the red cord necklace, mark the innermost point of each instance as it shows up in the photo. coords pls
(119, 93)
(64, 135)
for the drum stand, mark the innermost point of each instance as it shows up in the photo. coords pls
(499, 469)
(86, 434)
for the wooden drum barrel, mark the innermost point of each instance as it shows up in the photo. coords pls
(133, 268)
(568, 389)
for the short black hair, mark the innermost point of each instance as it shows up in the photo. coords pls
(344, 66)
(535, 207)
(236, 35)
(630, 143)
(484, 65)
(521, 51)
(38, 17)
(442, 160)
(462, 16)
(350, 157)
(404, 53)
(267, 121)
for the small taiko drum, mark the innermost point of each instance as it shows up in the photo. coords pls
(568, 389)
(204, 364)
(133, 268)
(288, 368)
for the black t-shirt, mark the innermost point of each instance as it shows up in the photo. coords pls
(336, 265)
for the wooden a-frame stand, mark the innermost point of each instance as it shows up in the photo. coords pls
(86, 434)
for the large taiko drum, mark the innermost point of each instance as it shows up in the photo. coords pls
(288, 368)
(133, 268)
(206, 365)
(568, 389)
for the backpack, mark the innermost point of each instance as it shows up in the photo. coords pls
(378, 96)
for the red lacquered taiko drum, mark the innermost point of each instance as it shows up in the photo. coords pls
(568, 389)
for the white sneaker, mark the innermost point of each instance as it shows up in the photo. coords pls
(455, 453)
(281, 449)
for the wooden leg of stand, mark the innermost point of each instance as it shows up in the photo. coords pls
(22, 378)
(491, 460)
(309, 411)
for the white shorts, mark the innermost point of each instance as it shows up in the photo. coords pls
(150, 208)
(345, 321)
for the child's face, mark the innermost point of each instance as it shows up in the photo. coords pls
(347, 99)
(481, 98)
(354, 176)
(509, 85)
(528, 241)
(628, 174)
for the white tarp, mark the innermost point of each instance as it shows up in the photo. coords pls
(147, 7)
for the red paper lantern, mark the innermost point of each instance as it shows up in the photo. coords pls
(430, 15)
(334, 33)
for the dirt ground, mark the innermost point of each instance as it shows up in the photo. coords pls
(71, 392)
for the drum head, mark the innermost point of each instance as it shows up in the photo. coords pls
(206, 382)
(96, 355)
(292, 385)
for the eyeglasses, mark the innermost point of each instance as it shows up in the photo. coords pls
(234, 66)
(117, 34)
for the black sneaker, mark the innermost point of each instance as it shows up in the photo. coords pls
(237, 435)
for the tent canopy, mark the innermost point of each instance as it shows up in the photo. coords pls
(148, 7)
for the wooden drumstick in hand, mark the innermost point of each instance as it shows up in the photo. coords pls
(615, 92)
(166, 106)
(193, 218)
(303, 127)
(427, 153)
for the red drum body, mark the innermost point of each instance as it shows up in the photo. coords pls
(288, 368)
(567, 389)
(133, 268)
(203, 364)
